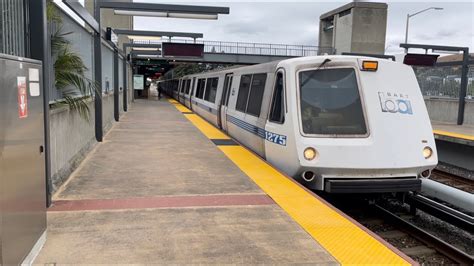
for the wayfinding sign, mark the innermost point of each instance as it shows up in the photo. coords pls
(138, 81)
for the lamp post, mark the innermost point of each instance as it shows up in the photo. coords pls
(414, 14)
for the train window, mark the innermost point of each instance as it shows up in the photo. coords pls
(211, 90)
(330, 102)
(180, 86)
(192, 87)
(229, 88)
(226, 89)
(277, 110)
(256, 94)
(243, 95)
(188, 85)
(201, 86)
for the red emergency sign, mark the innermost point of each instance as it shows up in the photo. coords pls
(22, 98)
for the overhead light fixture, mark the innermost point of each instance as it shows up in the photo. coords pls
(147, 56)
(144, 49)
(165, 14)
(192, 16)
(143, 38)
(140, 13)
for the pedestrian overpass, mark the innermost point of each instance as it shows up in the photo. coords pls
(228, 52)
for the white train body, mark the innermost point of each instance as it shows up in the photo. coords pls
(361, 130)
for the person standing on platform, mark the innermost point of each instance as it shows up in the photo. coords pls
(159, 91)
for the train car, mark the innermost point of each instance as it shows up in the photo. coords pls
(340, 124)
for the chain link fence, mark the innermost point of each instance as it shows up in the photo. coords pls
(444, 81)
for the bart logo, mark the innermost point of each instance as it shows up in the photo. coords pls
(395, 103)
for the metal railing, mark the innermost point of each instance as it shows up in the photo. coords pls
(266, 49)
(444, 81)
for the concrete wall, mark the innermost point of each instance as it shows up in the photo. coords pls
(446, 110)
(72, 138)
(343, 33)
(325, 36)
(359, 27)
(369, 29)
(107, 111)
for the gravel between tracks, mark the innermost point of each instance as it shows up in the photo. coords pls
(449, 233)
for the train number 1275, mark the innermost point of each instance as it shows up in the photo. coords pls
(275, 138)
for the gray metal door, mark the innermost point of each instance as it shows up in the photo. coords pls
(191, 94)
(22, 160)
(222, 117)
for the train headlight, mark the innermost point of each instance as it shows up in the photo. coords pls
(427, 152)
(309, 153)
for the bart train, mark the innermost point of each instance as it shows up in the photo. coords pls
(340, 124)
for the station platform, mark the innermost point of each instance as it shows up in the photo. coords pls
(462, 134)
(167, 187)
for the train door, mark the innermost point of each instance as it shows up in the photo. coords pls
(180, 90)
(276, 131)
(221, 118)
(191, 93)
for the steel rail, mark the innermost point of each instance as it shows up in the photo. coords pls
(442, 212)
(430, 240)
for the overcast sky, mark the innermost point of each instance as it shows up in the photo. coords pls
(290, 22)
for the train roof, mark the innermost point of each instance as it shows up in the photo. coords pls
(271, 66)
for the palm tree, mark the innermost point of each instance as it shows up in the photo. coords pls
(69, 69)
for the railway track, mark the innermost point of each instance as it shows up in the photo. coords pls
(430, 241)
(397, 228)
(453, 180)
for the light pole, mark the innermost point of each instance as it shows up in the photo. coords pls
(414, 14)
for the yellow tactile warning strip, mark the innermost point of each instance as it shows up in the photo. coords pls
(348, 243)
(454, 135)
(207, 129)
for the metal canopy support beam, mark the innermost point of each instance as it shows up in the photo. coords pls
(41, 50)
(164, 7)
(464, 71)
(145, 52)
(99, 131)
(75, 6)
(433, 47)
(143, 45)
(125, 77)
(116, 85)
(463, 91)
(157, 33)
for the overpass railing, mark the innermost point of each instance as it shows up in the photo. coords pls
(242, 48)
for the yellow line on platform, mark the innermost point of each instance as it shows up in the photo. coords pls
(454, 135)
(182, 108)
(344, 240)
(206, 128)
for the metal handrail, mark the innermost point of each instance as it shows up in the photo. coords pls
(269, 49)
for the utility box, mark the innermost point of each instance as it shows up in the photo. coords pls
(357, 27)
(22, 160)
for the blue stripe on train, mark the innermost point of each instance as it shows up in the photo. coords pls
(262, 133)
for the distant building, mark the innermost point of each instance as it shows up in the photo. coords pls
(357, 27)
(454, 58)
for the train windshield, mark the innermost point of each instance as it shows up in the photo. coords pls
(330, 102)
